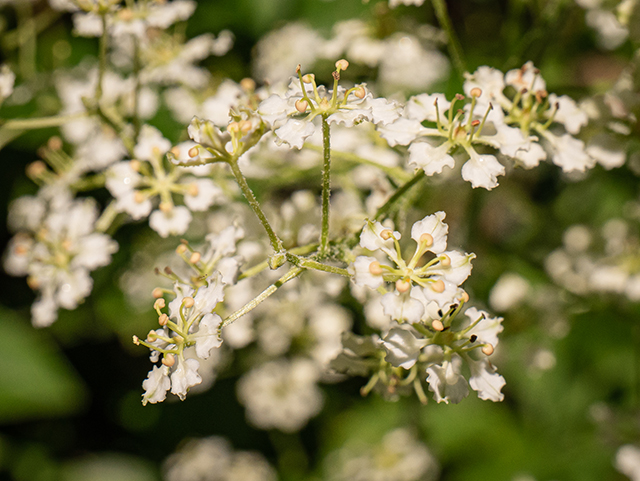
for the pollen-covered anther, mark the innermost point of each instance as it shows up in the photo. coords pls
(195, 258)
(445, 260)
(426, 239)
(168, 359)
(487, 349)
(375, 268)
(302, 105)
(437, 325)
(402, 285)
(163, 319)
(342, 64)
(464, 297)
(181, 249)
(166, 207)
(159, 303)
(139, 197)
(188, 302)
(193, 152)
(136, 340)
(360, 92)
(157, 293)
(386, 234)
(437, 286)
(308, 78)
(476, 92)
(193, 189)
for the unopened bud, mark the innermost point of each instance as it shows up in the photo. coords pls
(342, 64)
(487, 349)
(437, 325)
(159, 303)
(375, 268)
(195, 258)
(166, 207)
(163, 319)
(181, 249)
(157, 293)
(360, 92)
(386, 234)
(301, 105)
(193, 152)
(445, 260)
(426, 239)
(437, 286)
(308, 78)
(168, 359)
(402, 285)
(188, 302)
(476, 92)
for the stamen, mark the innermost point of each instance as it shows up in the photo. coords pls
(181, 249)
(308, 78)
(360, 92)
(301, 105)
(159, 303)
(375, 268)
(175, 151)
(195, 258)
(426, 239)
(437, 286)
(386, 234)
(168, 359)
(473, 338)
(188, 302)
(166, 207)
(476, 92)
(248, 84)
(487, 349)
(402, 285)
(136, 340)
(437, 325)
(163, 320)
(135, 165)
(445, 260)
(157, 293)
(193, 152)
(139, 197)
(342, 64)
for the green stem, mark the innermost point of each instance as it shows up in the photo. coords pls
(275, 241)
(108, 216)
(455, 50)
(102, 66)
(326, 186)
(293, 272)
(41, 122)
(399, 193)
(136, 99)
(319, 266)
(26, 39)
(258, 268)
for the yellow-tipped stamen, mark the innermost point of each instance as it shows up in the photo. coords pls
(487, 349)
(157, 293)
(437, 325)
(195, 258)
(437, 286)
(375, 268)
(301, 105)
(181, 249)
(403, 285)
(188, 302)
(193, 152)
(163, 319)
(168, 359)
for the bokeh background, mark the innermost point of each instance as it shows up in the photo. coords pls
(70, 394)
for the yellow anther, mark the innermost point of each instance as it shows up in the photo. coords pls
(301, 105)
(181, 249)
(152, 336)
(193, 189)
(342, 64)
(402, 285)
(175, 151)
(159, 303)
(139, 197)
(464, 297)
(437, 286)
(360, 92)
(156, 151)
(233, 127)
(54, 143)
(476, 92)
(437, 325)
(157, 293)
(33, 283)
(386, 234)
(135, 165)
(308, 78)
(168, 359)
(193, 152)
(136, 340)
(188, 302)
(375, 268)
(247, 84)
(163, 319)
(36, 169)
(426, 239)
(245, 126)
(125, 14)
(487, 349)
(445, 260)
(195, 258)
(166, 207)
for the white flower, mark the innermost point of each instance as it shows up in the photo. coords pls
(434, 226)
(402, 346)
(184, 375)
(446, 382)
(569, 153)
(206, 336)
(173, 222)
(403, 307)
(568, 113)
(156, 385)
(7, 79)
(525, 78)
(432, 159)
(485, 380)
(367, 272)
(509, 291)
(482, 170)
(281, 394)
(628, 461)
(487, 329)
(294, 132)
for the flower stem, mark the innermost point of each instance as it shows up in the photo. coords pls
(41, 122)
(326, 186)
(293, 272)
(275, 241)
(453, 44)
(399, 193)
(102, 66)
